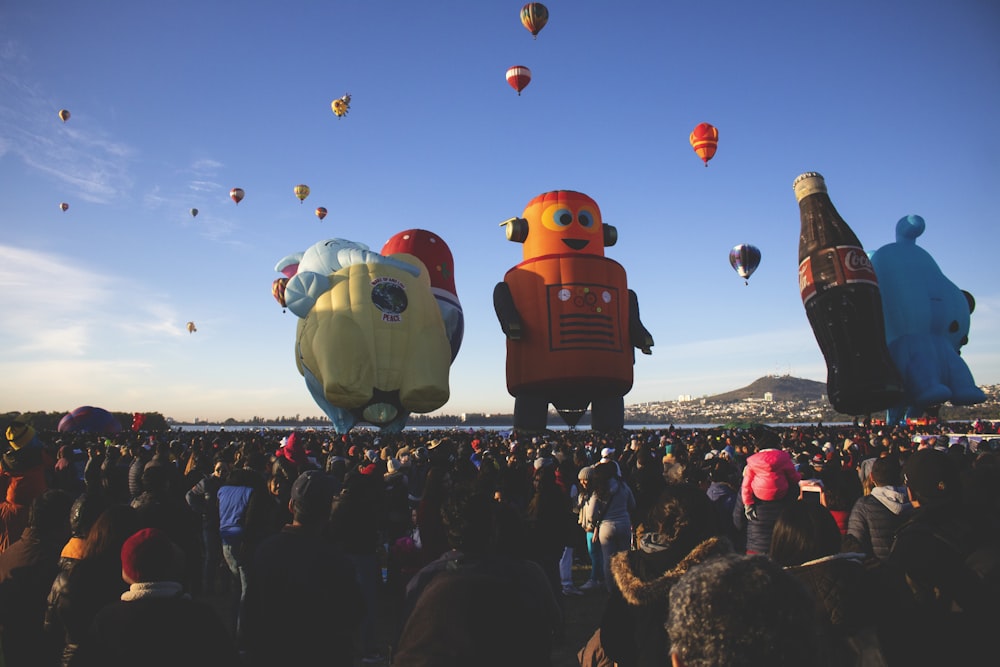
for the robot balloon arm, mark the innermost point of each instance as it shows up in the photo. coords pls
(503, 303)
(638, 335)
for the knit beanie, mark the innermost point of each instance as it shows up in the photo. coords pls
(19, 435)
(148, 556)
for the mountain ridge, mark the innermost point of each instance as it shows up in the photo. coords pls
(781, 387)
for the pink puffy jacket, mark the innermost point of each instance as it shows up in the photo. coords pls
(768, 475)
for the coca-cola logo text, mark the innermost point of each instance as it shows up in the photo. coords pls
(857, 260)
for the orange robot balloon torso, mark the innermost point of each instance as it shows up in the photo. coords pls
(575, 310)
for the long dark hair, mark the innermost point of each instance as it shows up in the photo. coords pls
(803, 532)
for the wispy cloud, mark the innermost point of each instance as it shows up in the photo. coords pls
(60, 310)
(90, 164)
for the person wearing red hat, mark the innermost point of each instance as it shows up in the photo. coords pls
(155, 623)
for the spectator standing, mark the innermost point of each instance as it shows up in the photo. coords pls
(315, 604)
(679, 531)
(27, 569)
(610, 510)
(155, 623)
(95, 580)
(875, 517)
(740, 611)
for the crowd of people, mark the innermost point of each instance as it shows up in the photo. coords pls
(820, 545)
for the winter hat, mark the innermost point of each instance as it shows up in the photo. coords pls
(607, 452)
(313, 487)
(148, 556)
(585, 472)
(931, 476)
(19, 435)
(393, 468)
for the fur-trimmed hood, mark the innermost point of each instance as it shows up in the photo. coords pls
(638, 591)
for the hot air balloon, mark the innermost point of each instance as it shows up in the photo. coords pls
(194, 213)
(534, 16)
(138, 419)
(704, 140)
(370, 343)
(88, 419)
(570, 319)
(64, 115)
(341, 105)
(302, 191)
(236, 194)
(744, 259)
(278, 290)
(321, 212)
(191, 328)
(518, 77)
(63, 206)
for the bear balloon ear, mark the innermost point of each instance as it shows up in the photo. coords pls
(971, 300)
(517, 229)
(610, 236)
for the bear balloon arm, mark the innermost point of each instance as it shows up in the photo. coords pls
(638, 335)
(303, 289)
(503, 304)
(352, 256)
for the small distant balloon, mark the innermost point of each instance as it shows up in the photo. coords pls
(236, 194)
(64, 115)
(518, 77)
(191, 328)
(744, 259)
(321, 212)
(302, 191)
(194, 213)
(63, 206)
(341, 105)
(704, 140)
(278, 290)
(534, 16)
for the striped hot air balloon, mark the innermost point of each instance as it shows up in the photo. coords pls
(534, 16)
(518, 77)
(704, 140)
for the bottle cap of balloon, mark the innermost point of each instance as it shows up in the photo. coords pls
(807, 184)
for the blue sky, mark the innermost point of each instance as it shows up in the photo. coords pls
(173, 104)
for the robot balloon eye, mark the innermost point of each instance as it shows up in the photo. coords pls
(586, 219)
(563, 217)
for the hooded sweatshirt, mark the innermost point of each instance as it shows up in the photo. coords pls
(875, 518)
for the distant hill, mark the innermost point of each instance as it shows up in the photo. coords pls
(782, 388)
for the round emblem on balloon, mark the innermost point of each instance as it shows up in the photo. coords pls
(389, 296)
(564, 294)
(606, 296)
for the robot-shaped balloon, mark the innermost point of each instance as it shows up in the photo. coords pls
(570, 319)
(370, 342)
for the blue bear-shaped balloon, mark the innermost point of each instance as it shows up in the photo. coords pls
(926, 323)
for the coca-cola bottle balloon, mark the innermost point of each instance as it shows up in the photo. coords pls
(840, 293)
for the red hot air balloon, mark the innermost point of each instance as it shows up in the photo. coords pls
(704, 140)
(236, 194)
(321, 212)
(138, 419)
(63, 206)
(518, 77)
(534, 16)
